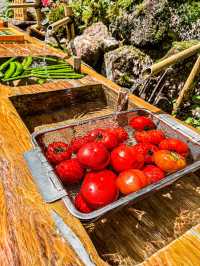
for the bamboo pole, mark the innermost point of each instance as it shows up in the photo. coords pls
(56, 25)
(156, 68)
(188, 85)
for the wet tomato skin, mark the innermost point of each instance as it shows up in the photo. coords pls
(124, 157)
(147, 149)
(106, 137)
(175, 145)
(120, 132)
(70, 171)
(94, 156)
(153, 173)
(142, 123)
(153, 136)
(131, 180)
(78, 142)
(81, 205)
(99, 188)
(169, 161)
(57, 152)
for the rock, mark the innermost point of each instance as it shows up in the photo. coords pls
(52, 41)
(93, 43)
(125, 66)
(146, 25)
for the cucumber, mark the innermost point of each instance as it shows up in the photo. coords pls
(5, 64)
(26, 63)
(10, 71)
(19, 69)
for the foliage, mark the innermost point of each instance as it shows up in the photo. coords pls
(90, 11)
(56, 13)
(189, 11)
(5, 12)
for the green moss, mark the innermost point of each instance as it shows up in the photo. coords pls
(139, 9)
(184, 44)
(159, 34)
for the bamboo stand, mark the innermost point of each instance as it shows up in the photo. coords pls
(20, 13)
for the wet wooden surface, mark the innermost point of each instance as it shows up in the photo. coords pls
(155, 230)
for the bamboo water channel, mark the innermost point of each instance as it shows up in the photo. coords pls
(163, 229)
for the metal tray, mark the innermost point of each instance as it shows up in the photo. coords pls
(52, 189)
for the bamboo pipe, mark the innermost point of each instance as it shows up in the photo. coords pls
(189, 82)
(56, 25)
(156, 68)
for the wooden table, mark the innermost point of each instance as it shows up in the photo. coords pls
(28, 233)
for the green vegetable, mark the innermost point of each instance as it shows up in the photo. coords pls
(47, 58)
(19, 69)
(41, 81)
(6, 64)
(16, 78)
(10, 71)
(50, 67)
(60, 71)
(26, 63)
(52, 76)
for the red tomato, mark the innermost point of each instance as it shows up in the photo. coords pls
(151, 136)
(70, 171)
(131, 180)
(142, 123)
(172, 144)
(147, 149)
(125, 157)
(153, 173)
(121, 133)
(81, 205)
(93, 155)
(169, 161)
(78, 142)
(95, 133)
(108, 138)
(57, 152)
(99, 188)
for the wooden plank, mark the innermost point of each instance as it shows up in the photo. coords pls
(127, 238)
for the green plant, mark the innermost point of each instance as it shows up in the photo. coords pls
(90, 11)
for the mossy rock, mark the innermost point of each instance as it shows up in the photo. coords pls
(125, 66)
(146, 25)
(179, 46)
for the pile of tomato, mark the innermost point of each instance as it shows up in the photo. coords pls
(108, 167)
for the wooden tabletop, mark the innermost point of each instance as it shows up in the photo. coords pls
(28, 233)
